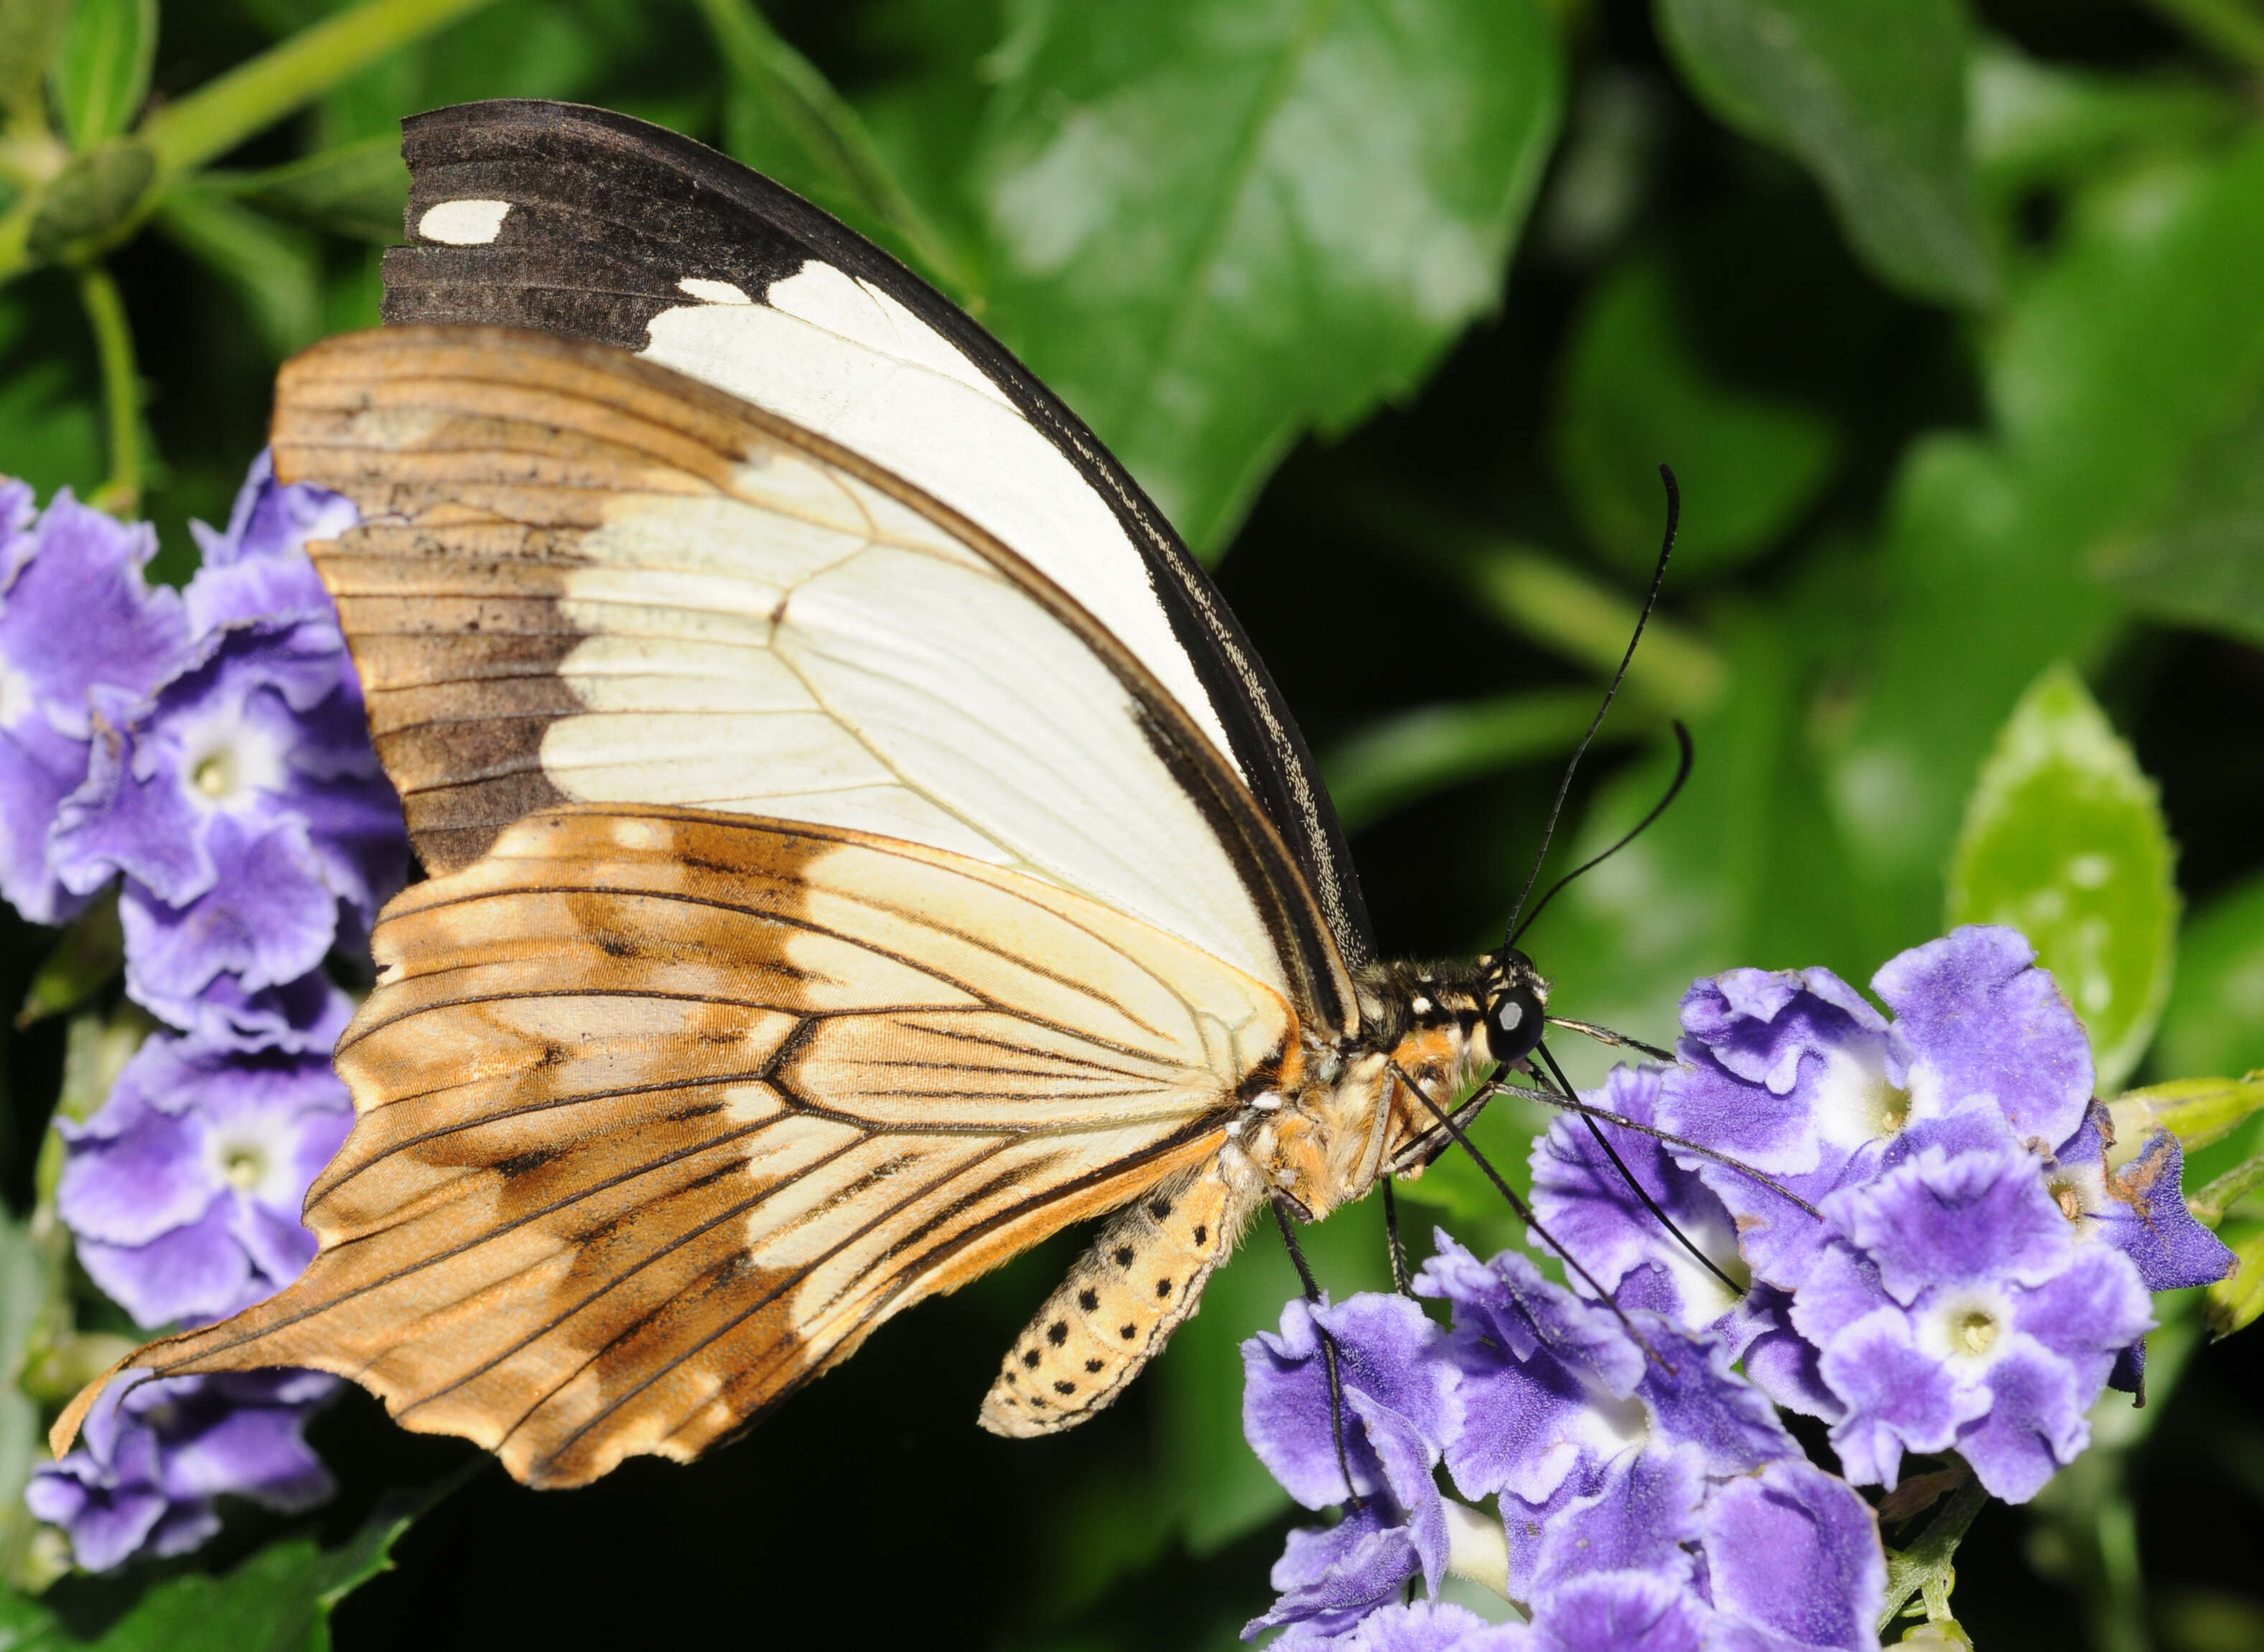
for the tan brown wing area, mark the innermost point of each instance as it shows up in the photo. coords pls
(662, 1113)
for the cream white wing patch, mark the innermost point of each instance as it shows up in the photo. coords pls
(571, 586)
(840, 357)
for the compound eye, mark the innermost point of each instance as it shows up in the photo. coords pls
(1515, 1024)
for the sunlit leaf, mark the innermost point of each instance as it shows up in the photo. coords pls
(1870, 96)
(1634, 393)
(2033, 122)
(2214, 1023)
(1217, 225)
(2065, 841)
(102, 73)
(2234, 1304)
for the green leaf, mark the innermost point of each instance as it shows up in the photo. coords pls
(1869, 95)
(85, 959)
(24, 1276)
(1218, 223)
(2065, 841)
(279, 1600)
(359, 189)
(1634, 394)
(2214, 1019)
(784, 117)
(2233, 1304)
(2133, 343)
(2036, 123)
(276, 269)
(102, 74)
(1395, 760)
(2202, 563)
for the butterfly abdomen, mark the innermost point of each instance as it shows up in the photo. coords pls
(1143, 1276)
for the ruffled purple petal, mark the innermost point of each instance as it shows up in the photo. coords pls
(1640, 1519)
(2146, 1218)
(1899, 1396)
(1941, 1219)
(1331, 1577)
(38, 768)
(192, 1273)
(78, 612)
(1289, 1418)
(2035, 1425)
(268, 918)
(1795, 1552)
(1702, 1408)
(1427, 1625)
(1620, 1612)
(134, 1172)
(1987, 1028)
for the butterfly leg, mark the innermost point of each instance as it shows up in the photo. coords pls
(1144, 1275)
(1328, 1346)
(1402, 1281)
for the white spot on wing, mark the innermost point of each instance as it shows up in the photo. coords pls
(463, 223)
(712, 292)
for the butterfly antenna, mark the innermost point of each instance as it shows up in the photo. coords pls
(1681, 776)
(1650, 602)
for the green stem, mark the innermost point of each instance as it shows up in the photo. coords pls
(122, 390)
(2210, 1204)
(1925, 1566)
(224, 112)
(2228, 28)
(1388, 764)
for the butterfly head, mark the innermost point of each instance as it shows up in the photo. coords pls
(1516, 1005)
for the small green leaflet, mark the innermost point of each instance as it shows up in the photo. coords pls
(102, 73)
(2065, 841)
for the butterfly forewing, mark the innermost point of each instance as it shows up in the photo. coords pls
(586, 223)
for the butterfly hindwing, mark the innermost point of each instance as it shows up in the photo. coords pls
(661, 1112)
(585, 223)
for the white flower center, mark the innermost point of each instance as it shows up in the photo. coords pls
(1967, 1326)
(229, 759)
(244, 1165)
(1856, 1101)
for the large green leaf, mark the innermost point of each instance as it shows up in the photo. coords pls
(102, 73)
(1634, 394)
(2214, 1024)
(2065, 841)
(279, 1600)
(1870, 96)
(2202, 563)
(1218, 223)
(357, 189)
(2130, 348)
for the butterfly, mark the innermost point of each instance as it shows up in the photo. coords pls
(862, 842)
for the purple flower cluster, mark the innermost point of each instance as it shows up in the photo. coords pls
(157, 1454)
(1940, 1255)
(206, 752)
(1649, 1495)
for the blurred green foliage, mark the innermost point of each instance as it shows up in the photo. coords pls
(1949, 314)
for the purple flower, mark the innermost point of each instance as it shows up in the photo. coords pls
(185, 1189)
(1628, 1470)
(156, 1454)
(1400, 1411)
(75, 614)
(1584, 1200)
(1975, 1273)
(1422, 1626)
(242, 798)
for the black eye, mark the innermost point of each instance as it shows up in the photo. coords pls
(1514, 1023)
